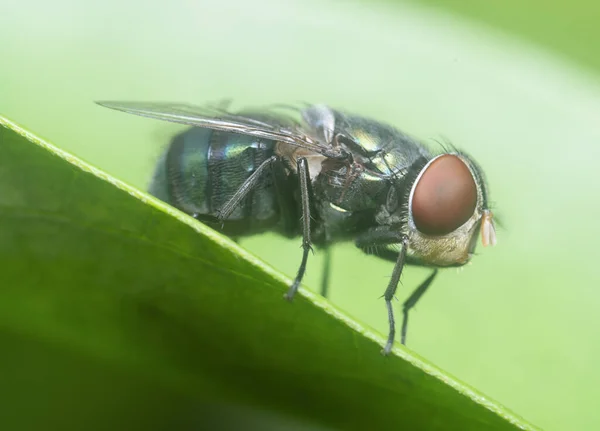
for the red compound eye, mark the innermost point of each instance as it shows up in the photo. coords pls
(445, 196)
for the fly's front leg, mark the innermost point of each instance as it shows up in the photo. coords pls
(390, 293)
(412, 301)
(304, 180)
(381, 237)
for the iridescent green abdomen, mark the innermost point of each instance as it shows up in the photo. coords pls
(203, 168)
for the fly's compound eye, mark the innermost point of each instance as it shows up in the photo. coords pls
(445, 196)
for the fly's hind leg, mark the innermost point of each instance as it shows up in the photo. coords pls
(244, 189)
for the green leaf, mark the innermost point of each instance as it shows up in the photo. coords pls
(116, 308)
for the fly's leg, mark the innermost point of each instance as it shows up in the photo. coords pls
(412, 301)
(304, 180)
(326, 271)
(390, 293)
(244, 189)
(284, 187)
(369, 242)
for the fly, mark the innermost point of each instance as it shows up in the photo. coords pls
(327, 176)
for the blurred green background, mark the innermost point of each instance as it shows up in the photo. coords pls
(514, 85)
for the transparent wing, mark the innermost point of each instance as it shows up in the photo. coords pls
(215, 117)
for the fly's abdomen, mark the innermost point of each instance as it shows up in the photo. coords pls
(202, 169)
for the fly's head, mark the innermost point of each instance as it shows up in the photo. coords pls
(447, 210)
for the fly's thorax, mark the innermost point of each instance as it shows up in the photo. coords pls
(446, 206)
(350, 186)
